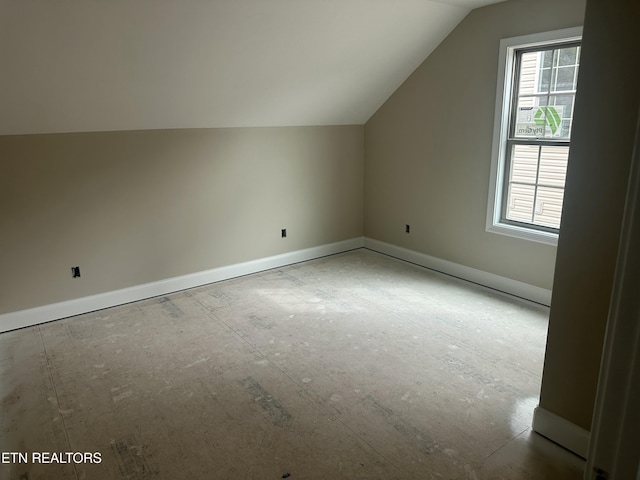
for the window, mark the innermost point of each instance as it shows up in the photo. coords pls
(532, 133)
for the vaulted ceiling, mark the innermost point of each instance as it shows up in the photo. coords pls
(96, 65)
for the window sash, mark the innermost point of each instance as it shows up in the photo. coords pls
(536, 184)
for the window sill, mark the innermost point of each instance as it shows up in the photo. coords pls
(524, 233)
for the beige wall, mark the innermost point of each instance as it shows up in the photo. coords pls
(606, 116)
(428, 148)
(138, 206)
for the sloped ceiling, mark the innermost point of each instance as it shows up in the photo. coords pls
(96, 65)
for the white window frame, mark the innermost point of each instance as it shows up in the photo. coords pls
(508, 48)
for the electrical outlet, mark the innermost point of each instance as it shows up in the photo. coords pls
(407, 228)
(75, 272)
(284, 233)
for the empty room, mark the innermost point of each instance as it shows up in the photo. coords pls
(349, 239)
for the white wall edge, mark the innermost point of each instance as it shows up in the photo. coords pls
(496, 282)
(561, 431)
(56, 311)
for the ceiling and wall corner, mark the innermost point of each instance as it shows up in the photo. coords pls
(82, 66)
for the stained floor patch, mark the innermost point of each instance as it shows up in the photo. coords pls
(274, 410)
(420, 439)
(170, 307)
(130, 458)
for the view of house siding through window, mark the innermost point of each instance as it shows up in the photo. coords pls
(539, 134)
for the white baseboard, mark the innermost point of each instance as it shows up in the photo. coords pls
(55, 311)
(496, 282)
(561, 431)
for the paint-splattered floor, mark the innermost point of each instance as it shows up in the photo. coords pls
(354, 366)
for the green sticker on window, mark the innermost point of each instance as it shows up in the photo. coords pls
(539, 122)
(548, 116)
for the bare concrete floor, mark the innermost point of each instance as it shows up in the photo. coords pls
(354, 366)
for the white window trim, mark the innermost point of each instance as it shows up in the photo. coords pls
(508, 46)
